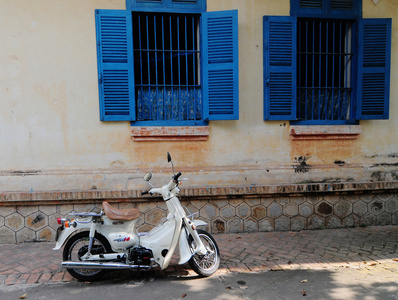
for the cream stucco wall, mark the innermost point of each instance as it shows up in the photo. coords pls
(51, 137)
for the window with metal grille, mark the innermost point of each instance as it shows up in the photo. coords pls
(166, 67)
(326, 65)
(324, 69)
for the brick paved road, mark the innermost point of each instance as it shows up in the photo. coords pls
(245, 252)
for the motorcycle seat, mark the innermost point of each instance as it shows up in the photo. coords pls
(120, 214)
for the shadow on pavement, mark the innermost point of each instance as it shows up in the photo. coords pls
(378, 282)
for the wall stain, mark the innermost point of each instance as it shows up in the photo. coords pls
(302, 166)
(339, 162)
(24, 173)
(384, 175)
(38, 219)
(385, 165)
(325, 208)
(220, 226)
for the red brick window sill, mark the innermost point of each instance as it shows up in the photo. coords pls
(325, 132)
(170, 133)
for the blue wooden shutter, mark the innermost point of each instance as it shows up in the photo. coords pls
(280, 47)
(220, 65)
(115, 65)
(374, 58)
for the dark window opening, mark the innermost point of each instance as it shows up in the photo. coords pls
(166, 66)
(324, 75)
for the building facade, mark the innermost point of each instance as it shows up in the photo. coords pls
(280, 113)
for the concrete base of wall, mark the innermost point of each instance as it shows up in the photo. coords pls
(26, 217)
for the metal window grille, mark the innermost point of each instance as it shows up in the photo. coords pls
(324, 75)
(166, 67)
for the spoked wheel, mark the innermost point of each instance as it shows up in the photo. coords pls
(206, 265)
(77, 246)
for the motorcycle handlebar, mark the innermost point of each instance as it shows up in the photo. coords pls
(177, 176)
(163, 190)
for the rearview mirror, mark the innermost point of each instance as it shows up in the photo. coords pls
(168, 157)
(148, 176)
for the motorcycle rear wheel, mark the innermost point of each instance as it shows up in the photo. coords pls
(77, 246)
(205, 265)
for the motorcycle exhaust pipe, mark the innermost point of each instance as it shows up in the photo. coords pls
(104, 265)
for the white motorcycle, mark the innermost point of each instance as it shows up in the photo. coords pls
(97, 242)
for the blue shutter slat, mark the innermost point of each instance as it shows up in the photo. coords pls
(115, 65)
(280, 68)
(342, 4)
(311, 4)
(374, 58)
(220, 65)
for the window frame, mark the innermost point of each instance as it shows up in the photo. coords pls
(276, 109)
(173, 6)
(326, 10)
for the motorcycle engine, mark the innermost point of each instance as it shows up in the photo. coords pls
(140, 256)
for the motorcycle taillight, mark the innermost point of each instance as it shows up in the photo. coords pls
(59, 221)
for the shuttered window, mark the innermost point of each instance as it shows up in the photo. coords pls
(150, 67)
(340, 67)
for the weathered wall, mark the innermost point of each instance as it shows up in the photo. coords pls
(51, 137)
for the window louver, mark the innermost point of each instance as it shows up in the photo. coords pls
(221, 92)
(116, 92)
(220, 40)
(343, 4)
(113, 39)
(375, 45)
(280, 43)
(311, 4)
(373, 94)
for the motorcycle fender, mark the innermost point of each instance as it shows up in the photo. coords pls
(63, 237)
(185, 252)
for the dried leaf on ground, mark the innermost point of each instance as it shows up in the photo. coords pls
(304, 293)
(184, 295)
(24, 296)
(243, 287)
(304, 281)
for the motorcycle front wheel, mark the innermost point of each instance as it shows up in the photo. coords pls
(77, 246)
(205, 265)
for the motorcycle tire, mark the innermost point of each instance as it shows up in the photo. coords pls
(77, 246)
(205, 265)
